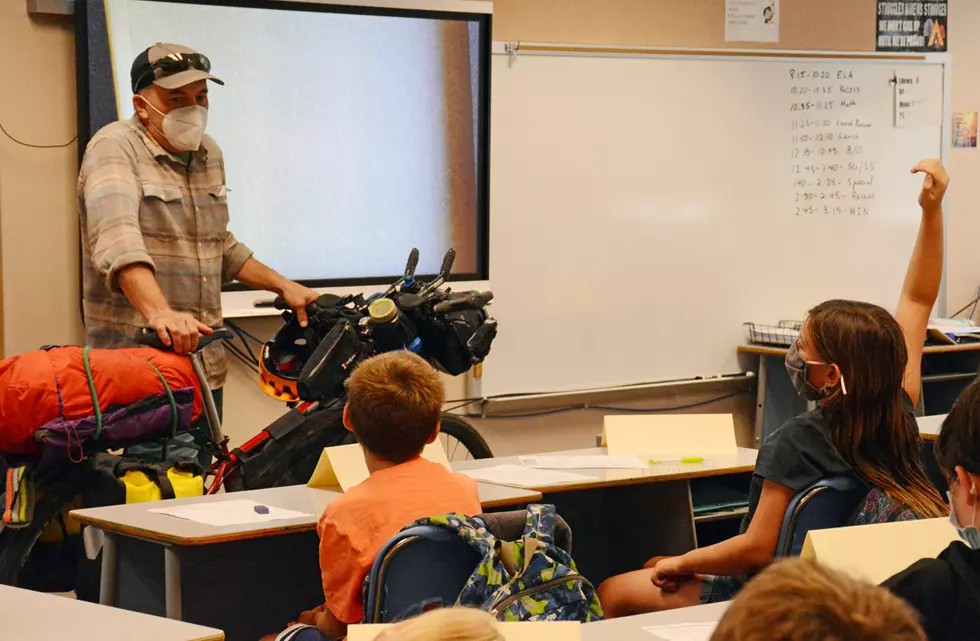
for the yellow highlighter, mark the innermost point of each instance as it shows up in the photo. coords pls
(683, 459)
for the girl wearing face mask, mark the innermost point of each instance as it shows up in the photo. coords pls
(946, 590)
(861, 366)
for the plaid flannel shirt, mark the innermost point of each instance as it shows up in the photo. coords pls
(139, 204)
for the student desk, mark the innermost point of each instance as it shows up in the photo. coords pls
(248, 580)
(631, 628)
(929, 426)
(620, 518)
(946, 371)
(30, 615)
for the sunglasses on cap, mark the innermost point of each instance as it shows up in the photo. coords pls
(171, 64)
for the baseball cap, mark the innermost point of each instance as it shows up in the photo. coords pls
(169, 66)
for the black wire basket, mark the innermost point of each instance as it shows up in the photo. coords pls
(783, 334)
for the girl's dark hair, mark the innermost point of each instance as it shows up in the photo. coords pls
(870, 426)
(959, 439)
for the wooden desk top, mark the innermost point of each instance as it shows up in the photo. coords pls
(631, 628)
(743, 461)
(495, 496)
(138, 521)
(771, 350)
(35, 615)
(929, 426)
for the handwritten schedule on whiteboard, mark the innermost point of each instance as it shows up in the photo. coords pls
(833, 167)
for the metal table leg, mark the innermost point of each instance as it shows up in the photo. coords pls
(171, 573)
(107, 583)
(760, 401)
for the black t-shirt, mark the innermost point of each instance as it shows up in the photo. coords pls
(796, 456)
(945, 591)
(799, 454)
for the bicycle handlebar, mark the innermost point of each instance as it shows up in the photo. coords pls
(413, 262)
(149, 338)
(472, 300)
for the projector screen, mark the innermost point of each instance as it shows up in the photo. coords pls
(350, 134)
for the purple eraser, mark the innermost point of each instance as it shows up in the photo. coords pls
(261, 509)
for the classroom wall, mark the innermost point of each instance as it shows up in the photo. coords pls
(38, 225)
(963, 231)
(847, 25)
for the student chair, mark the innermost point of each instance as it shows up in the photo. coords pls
(430, 565)
(423, 564)
(828, 503)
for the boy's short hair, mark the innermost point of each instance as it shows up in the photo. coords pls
(959, 438)
(797, 600)
(395, 401)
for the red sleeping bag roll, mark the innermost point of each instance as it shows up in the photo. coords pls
(49, 389)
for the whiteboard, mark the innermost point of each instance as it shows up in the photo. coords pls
(643, 208)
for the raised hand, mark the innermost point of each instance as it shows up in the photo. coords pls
(934, 184)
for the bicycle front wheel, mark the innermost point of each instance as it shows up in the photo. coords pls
(461, 440)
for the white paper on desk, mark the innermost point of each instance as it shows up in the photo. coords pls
(594, 462)
(523, 476)
(683, 632)
(224, 513)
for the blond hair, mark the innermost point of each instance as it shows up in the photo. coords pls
(797, 600)
(394, 402)
(445, 624)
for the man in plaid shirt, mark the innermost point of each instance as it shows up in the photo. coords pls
(154, 218)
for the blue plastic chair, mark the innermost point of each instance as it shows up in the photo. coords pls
(828, 503)
(420, 565)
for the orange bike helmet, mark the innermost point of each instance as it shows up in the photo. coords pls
(282, 362)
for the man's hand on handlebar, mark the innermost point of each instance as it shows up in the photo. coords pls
(178, 330)
(298, 297)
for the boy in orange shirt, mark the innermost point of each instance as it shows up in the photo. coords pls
(393, 408)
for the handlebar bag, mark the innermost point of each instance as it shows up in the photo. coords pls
(64, 397)
(333, 360)
(459, 341)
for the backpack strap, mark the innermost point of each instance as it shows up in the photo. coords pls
(539, 534)
(154, 471)
(174, 420)
(517, 560)
(540, 523)
(158, 472)
(95, 396)
(161, 473)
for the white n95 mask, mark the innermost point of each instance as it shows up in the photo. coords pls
(184, 127)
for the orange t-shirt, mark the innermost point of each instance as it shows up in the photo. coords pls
(355, 526)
